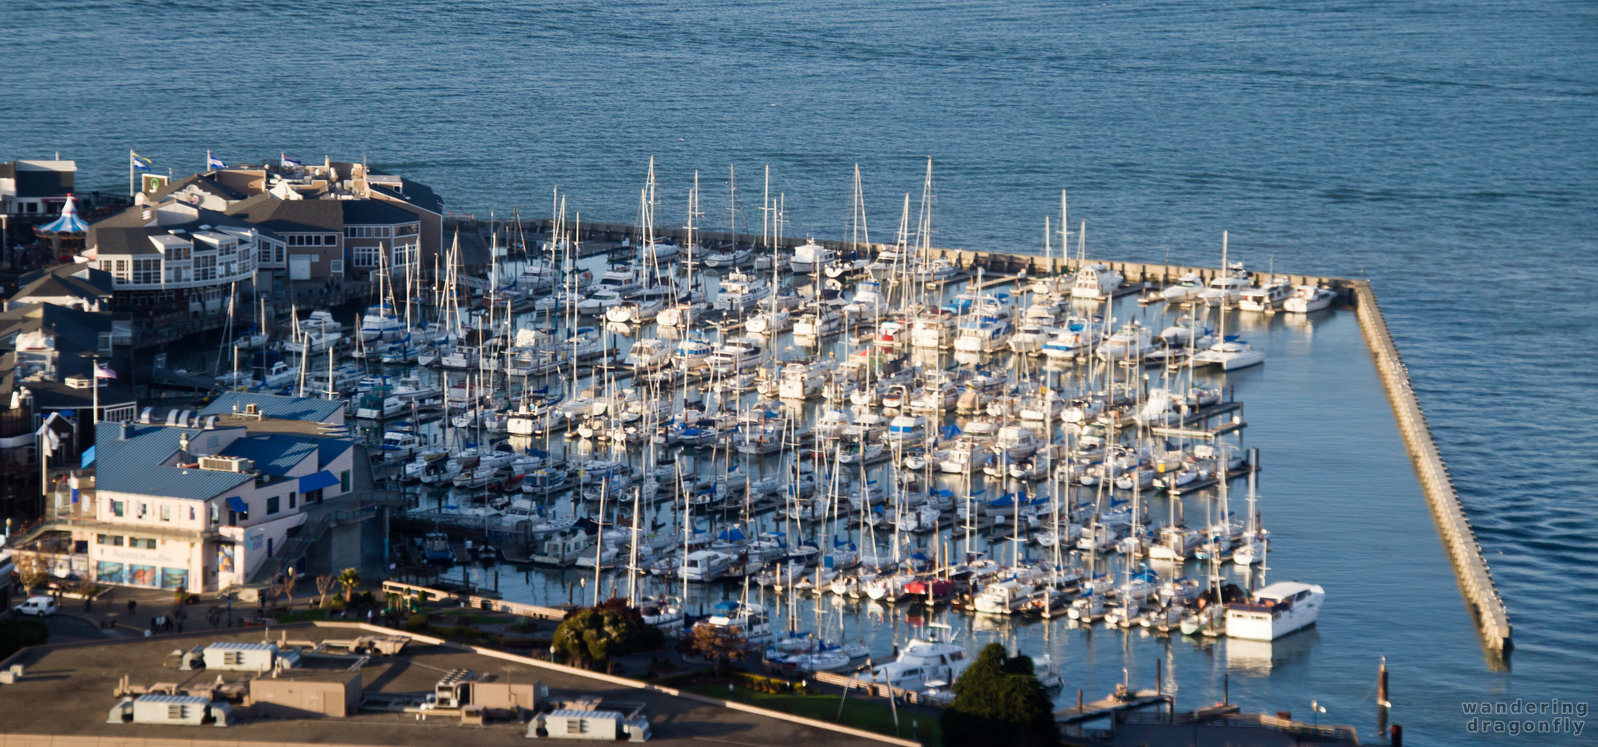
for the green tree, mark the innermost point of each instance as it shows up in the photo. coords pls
(998, 699)
(591, 637)
(349, 578)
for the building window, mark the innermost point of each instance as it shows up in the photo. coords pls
(191, 513)
(365, 256)
(205, 267)
(336, 267)
(344, 481)
(293, 499)
(118, 508)
(271, 505)
(147, 271)
(144, 510)
(216, 513)
(166, 512)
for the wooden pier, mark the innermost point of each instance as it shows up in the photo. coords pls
(1110, 705)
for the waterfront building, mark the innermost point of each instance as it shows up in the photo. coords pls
(35, 188)
(203, 508)
(171, 255)
(233, 495)
(77, 285)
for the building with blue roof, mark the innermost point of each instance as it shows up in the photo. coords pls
(202, 509)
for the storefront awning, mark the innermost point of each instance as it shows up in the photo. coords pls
(323, 479)
(237, 504)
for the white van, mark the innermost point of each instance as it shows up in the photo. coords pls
(36, 606)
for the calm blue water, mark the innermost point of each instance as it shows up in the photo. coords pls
(1445, 150)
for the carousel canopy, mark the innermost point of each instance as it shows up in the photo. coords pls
(68, 224)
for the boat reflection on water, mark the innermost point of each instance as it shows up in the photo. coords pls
(1259, 658)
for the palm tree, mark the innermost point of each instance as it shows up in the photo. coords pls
(349, 578)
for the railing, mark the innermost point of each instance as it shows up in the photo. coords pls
(882, 690)
(429, 594)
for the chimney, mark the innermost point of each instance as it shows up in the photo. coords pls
(183, 448)
(127, 430)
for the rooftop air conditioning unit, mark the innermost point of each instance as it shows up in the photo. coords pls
(227, 464)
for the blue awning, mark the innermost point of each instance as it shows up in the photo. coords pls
(323, 479)
(237, 504)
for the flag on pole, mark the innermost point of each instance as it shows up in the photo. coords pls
(212, 162)
(49, 440)
(103, 372)
(289, 162)
(138, 162)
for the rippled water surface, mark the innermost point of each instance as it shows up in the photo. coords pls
(1444, 150)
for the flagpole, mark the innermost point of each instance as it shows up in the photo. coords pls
(96, 379)
(130, 172)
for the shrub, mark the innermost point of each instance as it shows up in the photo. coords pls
(998, 699)
(591, 637)
(416, 622)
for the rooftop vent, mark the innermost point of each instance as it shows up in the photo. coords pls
(173, 710)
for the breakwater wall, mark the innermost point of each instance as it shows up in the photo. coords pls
(1459, 540)
(535, 231)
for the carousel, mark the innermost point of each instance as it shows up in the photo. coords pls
(64, 233)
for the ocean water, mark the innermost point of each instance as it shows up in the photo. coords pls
(1446, 151)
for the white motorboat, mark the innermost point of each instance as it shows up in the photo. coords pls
(1229, 354)
(1275, 611)
(648, 354)
(1096, 282)
(1029, 338)
(740, 292)
(809, 257)
(1129, 343)
(1266, 298)
(1186, 288)
(691, 354)
(730, 255)
(1308, 298)
(923, 661)
(736, 355)
(1226, 289)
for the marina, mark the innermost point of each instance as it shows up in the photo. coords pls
(729, 477)
(751, 417)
